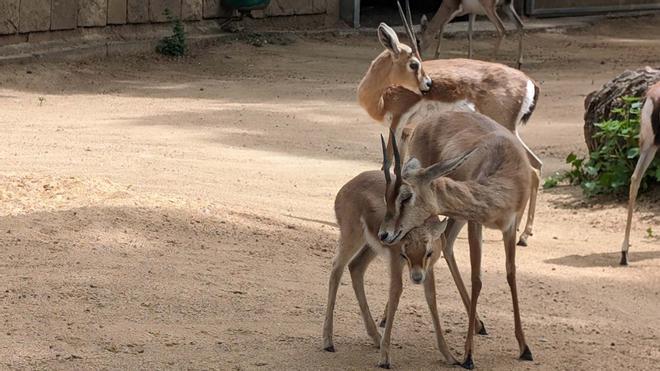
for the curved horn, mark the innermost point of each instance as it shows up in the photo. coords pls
(408, 25)
(397, 158)
(386, 164)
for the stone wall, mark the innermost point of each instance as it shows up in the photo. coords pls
(22, 17)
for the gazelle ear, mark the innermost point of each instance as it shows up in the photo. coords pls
(424, 23)
(443, 168)
(437, 227)
(389, 39)
(411, 167)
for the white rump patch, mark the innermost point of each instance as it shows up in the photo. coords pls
(527, 102)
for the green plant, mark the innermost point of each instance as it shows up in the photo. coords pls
(608, 169)
(174, 45)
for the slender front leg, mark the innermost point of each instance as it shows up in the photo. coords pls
(429, 292)
(396, 286)
(646, 156)
(471, 19)
(357, 267)
(338, 265)
(510, 249)
(475, 241)
(453, 229)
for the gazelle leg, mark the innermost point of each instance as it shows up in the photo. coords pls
(491, 13)
(383, 319)
(429, 292)
(471, 18)
(436, 55)
(454, 227)
(357, 267)
(475, 241)
(510, 250)
(446, 12)
(396, 286)
(338, 264)
(646, 156)
(537, 165)
(511, 13)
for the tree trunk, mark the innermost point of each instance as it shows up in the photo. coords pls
(599, 104)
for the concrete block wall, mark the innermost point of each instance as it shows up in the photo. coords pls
(19, 18)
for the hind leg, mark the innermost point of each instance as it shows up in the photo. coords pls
(537, 165)
(357, 267)
(345, 252)
(510, 11)
(646, 156)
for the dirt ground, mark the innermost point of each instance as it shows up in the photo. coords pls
(178, 214)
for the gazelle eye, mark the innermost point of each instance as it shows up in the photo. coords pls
(402, 256)
(407, 197)
(414, 65)
(428, 254)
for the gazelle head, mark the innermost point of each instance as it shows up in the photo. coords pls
(419, 248)
(407, 70)
(412, 198)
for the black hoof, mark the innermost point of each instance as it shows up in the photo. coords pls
(330, 349)
(624, 258)
(482, 331)
(468, 364)
(522, 242)
(526, 354)
(384, 365)
(382, 323)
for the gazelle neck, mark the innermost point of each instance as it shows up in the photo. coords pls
(373, 85)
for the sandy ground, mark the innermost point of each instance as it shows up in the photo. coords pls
(178, 214)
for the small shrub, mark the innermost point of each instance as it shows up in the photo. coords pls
(607, 170)
(174, 45)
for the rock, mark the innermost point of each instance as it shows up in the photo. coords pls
(599, 104)
(137, 11)
(157, 9)
(8, 16)
(92, 13)
(34, 15)
(192, 10)
(63, 15)
(117, 11)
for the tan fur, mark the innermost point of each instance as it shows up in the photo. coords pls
(359, 208)
(492, 186)
(449, 9)
(489, 188)
(647, 151)
(495, 90)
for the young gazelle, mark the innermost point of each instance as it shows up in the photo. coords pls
(504, 94)
(449, 9)
(489, 189)
(649, 142)
(360, 207)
